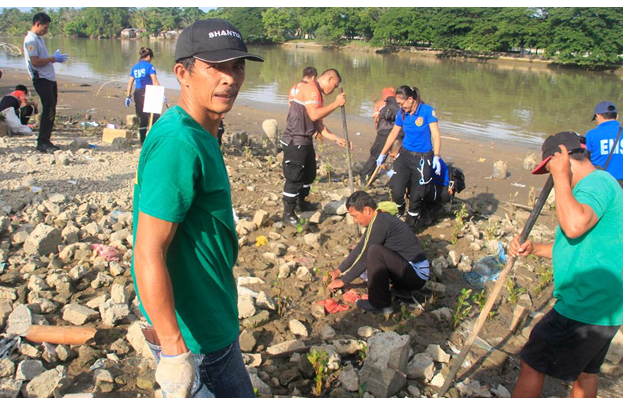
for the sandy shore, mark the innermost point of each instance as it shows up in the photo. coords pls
(475, 156)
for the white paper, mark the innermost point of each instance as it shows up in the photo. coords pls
(153, 102)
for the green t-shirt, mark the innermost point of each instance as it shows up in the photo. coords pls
(182, 178)
(588, 271)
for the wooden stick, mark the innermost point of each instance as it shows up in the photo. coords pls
(373, 175)
(150, 123)
(497, 289)
(60, 334)
(347, 147)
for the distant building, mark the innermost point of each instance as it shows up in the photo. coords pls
(131, 33)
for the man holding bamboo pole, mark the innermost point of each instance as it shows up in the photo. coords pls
(571, 341)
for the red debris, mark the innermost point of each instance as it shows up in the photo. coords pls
(332, 306)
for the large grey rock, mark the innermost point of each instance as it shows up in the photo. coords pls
(285, 346)
(19, 321)
(438, 355)
(78, 314)
(260, 385)
(43, 386)
(349, 378)
(10, 388)
(247, 341)
(298, 328)
(265, 302)
(112, 313)
(347, 346)
(43, 241)
(421, 366)
(384, 371)
(29, 369)
(246, 306)
(137, 341)
(7, 368)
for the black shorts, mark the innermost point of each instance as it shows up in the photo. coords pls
(563, 348)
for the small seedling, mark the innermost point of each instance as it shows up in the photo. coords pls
(301, 225)
(362, 352)
(328, 168)
(282, 300)
(319, 361)
(463, 308)
(480, 300)
(490, 230)
(270, 160)
(248, 152)
(401, 323)
(514, 292)
(460, 214)
(546, 276)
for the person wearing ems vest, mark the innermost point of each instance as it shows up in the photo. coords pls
(185, 242)
(18, 100)
(305, 118)
(144, 74)
(384, 114)
(601, 141)
(389, 251)
(418, 157)
(308, 76)
(571, 341)
(41, 70)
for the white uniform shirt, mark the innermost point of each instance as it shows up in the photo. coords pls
(35, 47)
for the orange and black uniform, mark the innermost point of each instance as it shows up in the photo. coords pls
(299, 166)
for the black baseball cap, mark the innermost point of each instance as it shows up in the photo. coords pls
(570, 139)
(212, 40)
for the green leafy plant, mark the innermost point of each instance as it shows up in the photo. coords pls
(490, 230)
(362, 389)
(270, 160)
(463, 307)
(362, 352)
(319, 361)
(248, 152)
(328, 168)
(460, 215)
(514, 292)
(301, 225)
(401, 320)
(480, 300)
(546, 277)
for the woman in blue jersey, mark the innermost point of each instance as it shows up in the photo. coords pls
(418, 157)
(144, 74)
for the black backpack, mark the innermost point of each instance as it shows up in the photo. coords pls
(389, 110)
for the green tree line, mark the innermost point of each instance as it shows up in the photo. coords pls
(586, 36)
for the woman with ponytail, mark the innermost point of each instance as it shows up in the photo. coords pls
(144, 74)
(418, 157)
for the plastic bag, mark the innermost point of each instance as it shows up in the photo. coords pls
(487, 268)
(13, 122)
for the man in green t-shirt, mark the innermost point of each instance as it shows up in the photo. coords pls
(571, 341)
(185, 243)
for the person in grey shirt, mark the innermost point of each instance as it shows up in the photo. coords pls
(40, 68)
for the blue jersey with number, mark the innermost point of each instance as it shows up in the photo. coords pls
(417, 135)
(142, 73)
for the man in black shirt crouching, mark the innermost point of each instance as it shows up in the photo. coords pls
(389, 250)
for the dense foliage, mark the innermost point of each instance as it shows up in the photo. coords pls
(584, 36)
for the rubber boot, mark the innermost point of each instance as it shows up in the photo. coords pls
(303, 205)
(289, 217)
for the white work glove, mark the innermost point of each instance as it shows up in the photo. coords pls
(176, 374)
(436, 165)
(380, 160)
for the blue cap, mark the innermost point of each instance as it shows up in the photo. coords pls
(604, 107)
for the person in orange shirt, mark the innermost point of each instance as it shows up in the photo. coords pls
(305, 118)
(18, 100)
(384, 117)
(308, 76)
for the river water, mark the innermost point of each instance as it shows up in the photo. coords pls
(496, 100)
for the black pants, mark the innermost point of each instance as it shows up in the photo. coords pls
(25, 113)
(144, 118)
(300, 170)
(374, 152)
(384, 265)
(413, 171)
(48, 93)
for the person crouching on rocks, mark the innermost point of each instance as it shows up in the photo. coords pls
(388, 251)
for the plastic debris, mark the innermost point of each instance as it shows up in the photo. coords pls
(108, 252)
(332, 307)
(351, 296)
(487, 268)
(261, 240)
(89, 124)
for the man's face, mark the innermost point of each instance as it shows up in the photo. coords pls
(363, 217)
(331, 85)
(41, 29)
(215, 86)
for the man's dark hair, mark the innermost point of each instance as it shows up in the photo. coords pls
(309, 71)
(188, 63)
(21, 87)
(609, 115)
(332, 70)
(579, 154)
(359, 200)
(41, 18)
